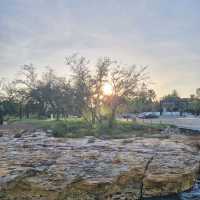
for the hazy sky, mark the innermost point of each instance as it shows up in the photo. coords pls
(163, 34)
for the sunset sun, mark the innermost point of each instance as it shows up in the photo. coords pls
(107, 89)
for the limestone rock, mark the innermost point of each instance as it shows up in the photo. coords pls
(37, 167)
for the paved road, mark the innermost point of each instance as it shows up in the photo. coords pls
(186, 122)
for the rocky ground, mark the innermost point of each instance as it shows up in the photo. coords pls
(35, 166)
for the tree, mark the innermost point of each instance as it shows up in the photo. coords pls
(198, 93)
(194, 105)
(145, 101)
(26, 84)
(174, 93)
(8, 100)
(172, 101)
(98, 81)
(81, 82)
(54, 94)
(126, 83)
(1, 114)
(88, 86)
(28, 77)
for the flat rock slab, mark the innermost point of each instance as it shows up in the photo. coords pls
(37, 167)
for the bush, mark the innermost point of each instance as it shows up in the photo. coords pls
(59, 129)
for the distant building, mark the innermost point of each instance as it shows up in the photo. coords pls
(176, 104)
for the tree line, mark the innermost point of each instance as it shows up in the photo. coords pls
(81, 95)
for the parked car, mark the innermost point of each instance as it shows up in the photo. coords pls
(147, 116)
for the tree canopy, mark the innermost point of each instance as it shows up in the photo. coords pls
(83, 94)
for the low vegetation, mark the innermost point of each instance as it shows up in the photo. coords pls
(79, 128)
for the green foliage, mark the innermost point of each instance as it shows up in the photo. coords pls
(173, 96)
(3, 195)
(80, 128)
(194, 106)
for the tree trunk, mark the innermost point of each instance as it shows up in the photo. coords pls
(27, 112)
(1, 119)
(20, 111)
(27, 115)
(93, 116)
(57, 116)
(112, 118)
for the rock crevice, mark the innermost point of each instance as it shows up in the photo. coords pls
(145, 172)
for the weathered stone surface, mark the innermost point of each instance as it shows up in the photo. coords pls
(38, 167)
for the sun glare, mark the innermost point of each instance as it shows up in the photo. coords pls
(107, 89)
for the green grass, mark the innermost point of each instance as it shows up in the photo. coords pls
(79, 128)
(60, 128)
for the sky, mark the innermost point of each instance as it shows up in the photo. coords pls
(161, 34)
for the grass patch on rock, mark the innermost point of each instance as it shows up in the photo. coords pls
(78, 127)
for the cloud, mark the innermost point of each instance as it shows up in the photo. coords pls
(157, 33)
